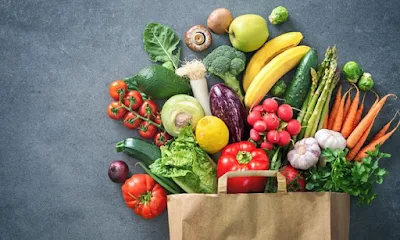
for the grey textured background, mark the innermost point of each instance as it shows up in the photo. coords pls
(56, 141)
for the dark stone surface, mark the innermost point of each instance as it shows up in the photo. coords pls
(56, 141)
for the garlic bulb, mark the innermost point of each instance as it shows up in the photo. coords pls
(330, 139)
(305, 154)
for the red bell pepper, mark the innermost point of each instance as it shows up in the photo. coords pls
(243, 156)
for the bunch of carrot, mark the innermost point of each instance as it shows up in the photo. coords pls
(346, 118)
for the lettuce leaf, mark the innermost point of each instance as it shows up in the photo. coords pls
(187, 164)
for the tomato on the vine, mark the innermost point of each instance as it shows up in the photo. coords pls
(161, 138)
(134, 99)
(115, 110)
(157, 118)
(116, 88)
(131, 120)
(147, 130)
(148, 109)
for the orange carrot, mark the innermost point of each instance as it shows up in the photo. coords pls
(346, 107)
(326, 121)
(335, 107)
(353, 152)
(350, 116)
(337, 125)
(384, 129)
(358, 114)
(365, 122)
(371, 146)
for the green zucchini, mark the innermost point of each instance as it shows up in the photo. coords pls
(139, 149)
(299, 87)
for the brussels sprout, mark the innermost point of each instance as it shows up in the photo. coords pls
(169, 65)
(279, 88)
(366, 82)
(278, 15)
(352, 71)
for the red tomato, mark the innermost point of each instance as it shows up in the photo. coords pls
(157, 118)
(147, 130)
(131, 121)
(243, 156)
(148, 109)
(161, 138)
(144, 196)
(116, 88)
(294, 180)
(135, 98)
(115, 110)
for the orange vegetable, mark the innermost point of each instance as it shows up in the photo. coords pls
(358, 114)
(384, 129)
(371, 146)
(350, 116)
(353, 152)
(326, 120)
(365, 122)
(335, 107)
(346, 107)
(337, 124)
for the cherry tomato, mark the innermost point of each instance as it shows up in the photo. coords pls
(147, 130)
(271, 120)
(293, 127)
(131, 121)
(157, 118)
(260, 126)
(254, 135)
(284, 138)
(115, 110)
(270, 105)
(253, 117)
(161, 138)
(144, 196)
(273, 136)
(285, 112)
(116, 88)
(134, 99)
(267, 145)
(148, 109)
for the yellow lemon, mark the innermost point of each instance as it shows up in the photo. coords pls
(212, 134)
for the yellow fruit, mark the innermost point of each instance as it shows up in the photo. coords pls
(265, 54)
(272, 72)
(212, 134)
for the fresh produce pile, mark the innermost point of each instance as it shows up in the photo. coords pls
(307, 129)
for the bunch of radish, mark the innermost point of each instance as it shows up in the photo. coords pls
(272, 124)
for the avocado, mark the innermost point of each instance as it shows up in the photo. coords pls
(158, 82)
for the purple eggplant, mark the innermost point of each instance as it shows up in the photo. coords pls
(226, 105)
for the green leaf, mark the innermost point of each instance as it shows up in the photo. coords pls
(160, 42)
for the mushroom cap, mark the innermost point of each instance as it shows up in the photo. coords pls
(198, 38)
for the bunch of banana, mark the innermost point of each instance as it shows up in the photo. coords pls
(277, 57)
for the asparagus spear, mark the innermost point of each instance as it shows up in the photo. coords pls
(326, 107)
(325, 63)
(316, 114)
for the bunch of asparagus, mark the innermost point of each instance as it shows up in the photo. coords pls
(315, 107)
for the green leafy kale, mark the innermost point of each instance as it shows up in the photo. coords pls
(340, 175)
(187, 164)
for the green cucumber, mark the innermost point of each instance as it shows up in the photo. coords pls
(139, 149)
(299, 87)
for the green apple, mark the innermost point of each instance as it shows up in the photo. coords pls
(248, 32)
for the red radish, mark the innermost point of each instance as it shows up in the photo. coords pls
(285, 112)
(293, 127)
(271, 120)
(267, 145)
(273, 136)
(260, 126)
(270, 105)
(294, 181)
(284, 138)
(254, 135)
(258, 108)
(253, 117)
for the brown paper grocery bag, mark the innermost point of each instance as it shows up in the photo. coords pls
(282, 215)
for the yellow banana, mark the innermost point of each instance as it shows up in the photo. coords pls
(266, 53)
(272, 72)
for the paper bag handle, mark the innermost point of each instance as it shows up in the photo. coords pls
(223, 180)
